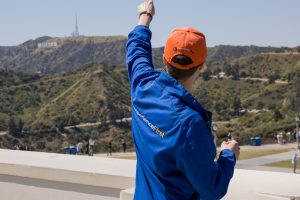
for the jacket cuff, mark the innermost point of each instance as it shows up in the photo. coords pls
(229, 154)
(144, 29)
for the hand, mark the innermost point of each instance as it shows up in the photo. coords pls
(232, 145)
(147, 6)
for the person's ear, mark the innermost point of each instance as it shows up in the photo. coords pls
(202, 68)
(165, 61)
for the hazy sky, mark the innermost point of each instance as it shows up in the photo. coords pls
(235, 22)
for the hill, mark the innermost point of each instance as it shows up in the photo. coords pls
(247, 101)
(45, 105)
(48, 56)
(248, 98)
(224, 52)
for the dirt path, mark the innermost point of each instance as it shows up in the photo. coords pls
(3, 133)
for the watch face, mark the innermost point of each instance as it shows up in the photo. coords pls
(215, 127)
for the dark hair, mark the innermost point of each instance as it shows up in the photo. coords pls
(178, 73)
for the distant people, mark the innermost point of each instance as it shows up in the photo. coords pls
(21, 147)
(17, 147)
(294, 162)
(91, 150)
(289, 136)
(79, 147)
(275, 138)
(87, 148)
(109, 149)
(91, 146)
(280, 138)
(124, 145)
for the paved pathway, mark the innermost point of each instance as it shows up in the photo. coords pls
(3, 133)
(251, 164)
(260, 162)
(117, 155)
(16, 188)
(269, 146)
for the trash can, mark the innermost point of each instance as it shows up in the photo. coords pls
(257, 141)
(252, 141)
(73, 150)
(67, 150)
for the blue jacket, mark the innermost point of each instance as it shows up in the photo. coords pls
(171, 133)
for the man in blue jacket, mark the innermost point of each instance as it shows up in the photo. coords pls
(171, 130)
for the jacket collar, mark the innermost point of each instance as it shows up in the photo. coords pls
(174, 87)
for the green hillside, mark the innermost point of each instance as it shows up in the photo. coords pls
(265, 87)
(282, 65)
(48, 104)
(247, 101)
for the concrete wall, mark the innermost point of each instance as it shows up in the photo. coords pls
(120, 174)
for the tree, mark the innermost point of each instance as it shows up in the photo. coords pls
(206, 75)
(236, 105)
(296, 95)
(272, 79)
(15, 128)
(244, 74)
(12, 127)
(227, 69)
(220, 108)
(20, 127)
(277, 115)
(235, 71)
(217, 71)
(260, 105)
(271, 106)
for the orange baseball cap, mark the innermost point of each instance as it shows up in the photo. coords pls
(189, 42)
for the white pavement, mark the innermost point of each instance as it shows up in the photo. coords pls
(261, 185)
(121, 155)
(35, 175)
(269, 146)
(252, 164)
(16, 188)
(67, 175)
(260, 161)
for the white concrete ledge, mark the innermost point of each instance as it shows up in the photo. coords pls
(254, 185)
(95, 171)
(120, 174)
(127, 194)
(263, 185)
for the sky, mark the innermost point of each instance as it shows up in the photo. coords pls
(229, 22)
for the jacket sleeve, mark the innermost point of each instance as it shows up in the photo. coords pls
(139, 54)
(195, 159)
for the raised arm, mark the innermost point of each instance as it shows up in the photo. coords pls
(139, 49)
(146, 12)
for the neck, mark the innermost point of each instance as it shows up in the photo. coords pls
(187, 83)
